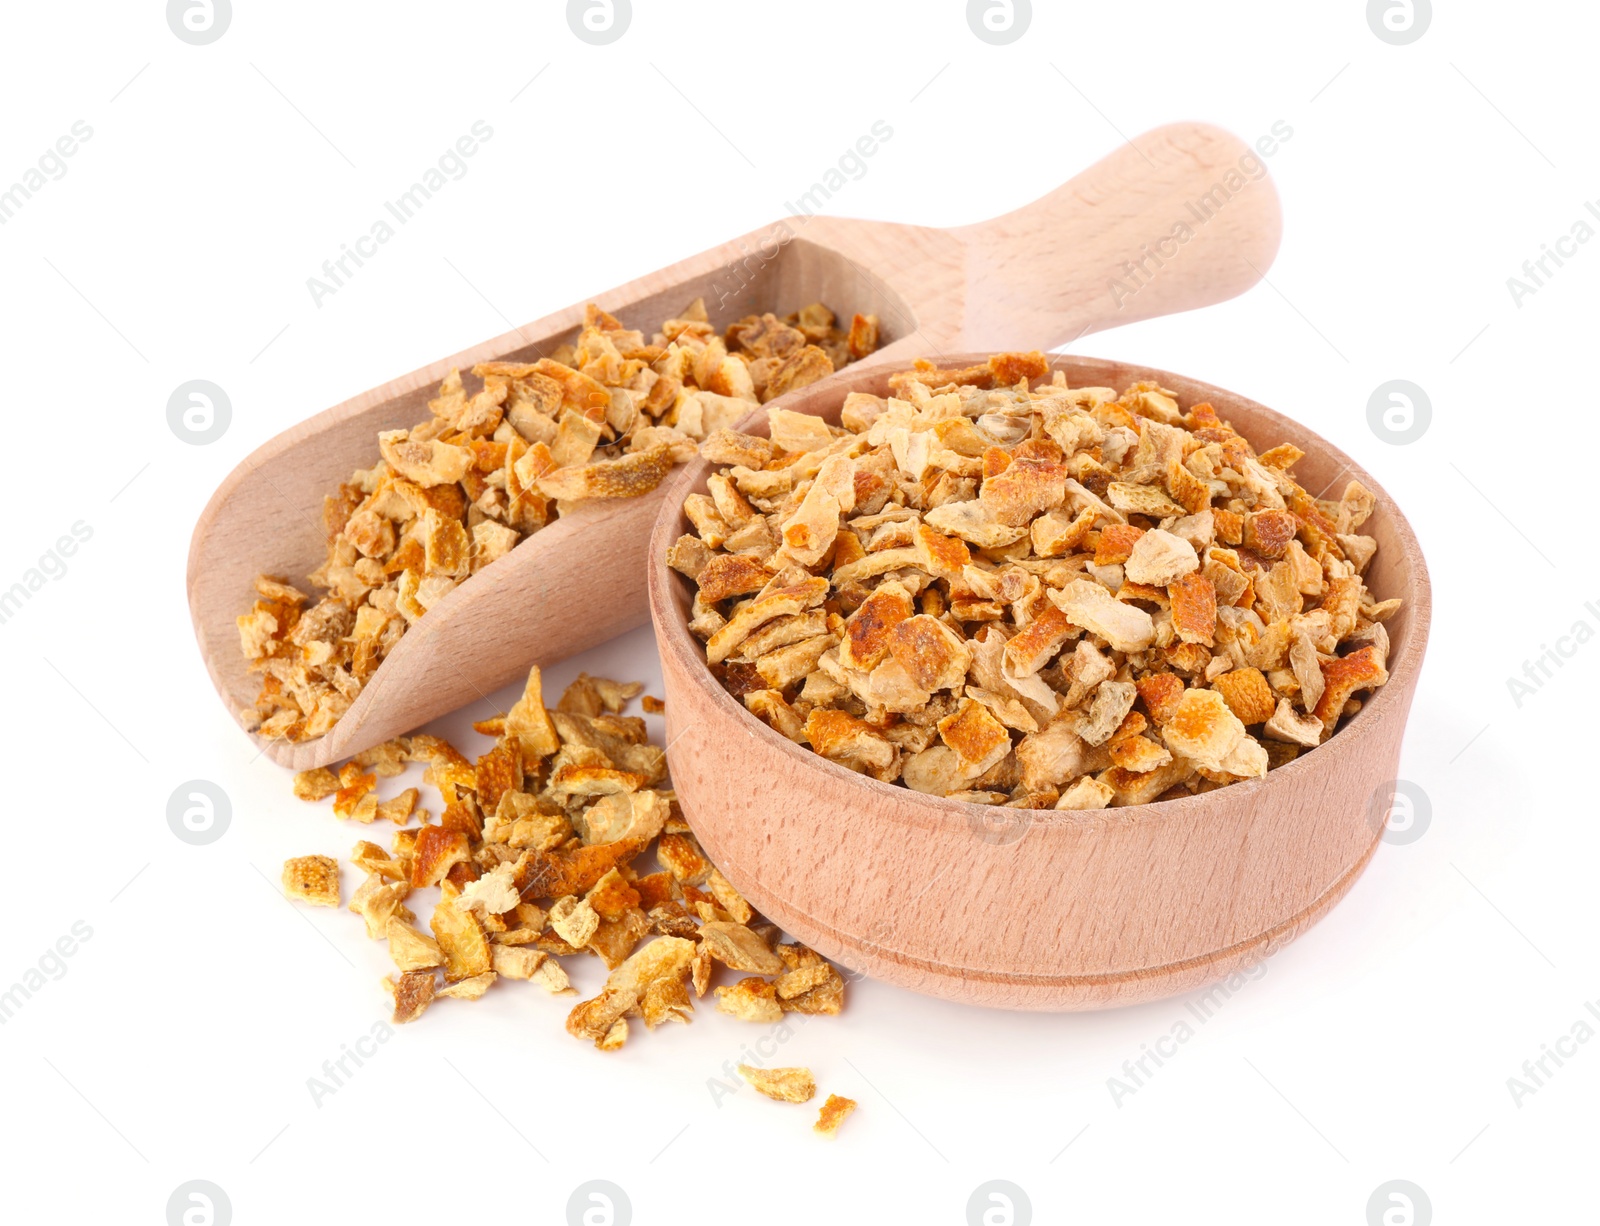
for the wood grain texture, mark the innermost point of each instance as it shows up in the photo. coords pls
(1034, 278)
(1055, 910)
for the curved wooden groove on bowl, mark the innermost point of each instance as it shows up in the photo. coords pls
(1059, 993)
(906, 887)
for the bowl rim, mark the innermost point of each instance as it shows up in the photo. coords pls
(672, 634)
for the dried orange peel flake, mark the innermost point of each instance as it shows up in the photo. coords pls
(1018, 592)
(529, 870)
(834, 1112)
(606, 417)
(789, 1085)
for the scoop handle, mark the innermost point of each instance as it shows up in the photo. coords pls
(1180, 217)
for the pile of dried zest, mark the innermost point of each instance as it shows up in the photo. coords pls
(605, 419)
(1050, 598)
(535, 857)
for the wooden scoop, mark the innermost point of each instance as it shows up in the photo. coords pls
(1147, 231)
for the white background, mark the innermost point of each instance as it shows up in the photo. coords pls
(178, 1043)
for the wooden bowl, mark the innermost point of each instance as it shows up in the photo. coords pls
(1040, 909)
